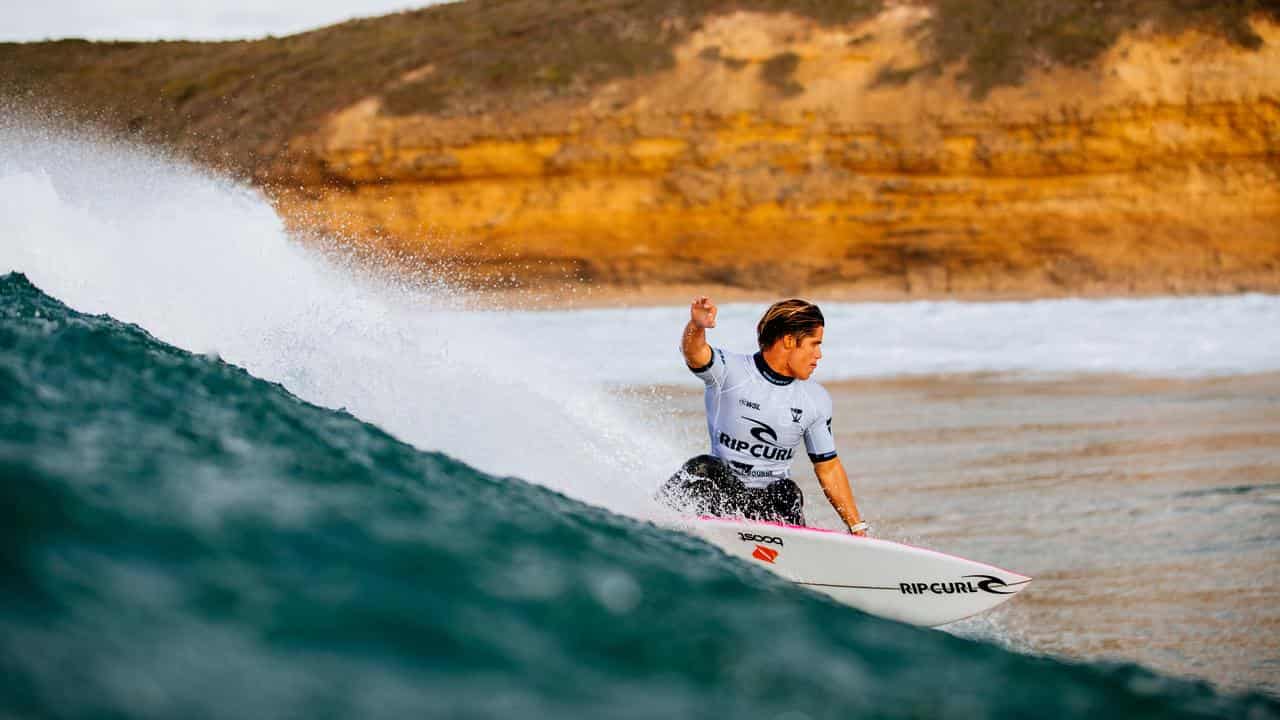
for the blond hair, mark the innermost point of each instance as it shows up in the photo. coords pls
(796, 317)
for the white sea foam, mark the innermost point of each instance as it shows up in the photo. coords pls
(206, 265)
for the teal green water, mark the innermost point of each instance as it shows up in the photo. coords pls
(181, 539)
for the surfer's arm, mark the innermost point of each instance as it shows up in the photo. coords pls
(693, 344)
(835, 484)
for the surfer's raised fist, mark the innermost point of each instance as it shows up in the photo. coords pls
(703, 312)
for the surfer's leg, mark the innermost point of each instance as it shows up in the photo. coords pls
(706, 483)
(782, 501)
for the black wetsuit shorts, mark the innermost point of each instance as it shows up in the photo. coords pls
(707, 486)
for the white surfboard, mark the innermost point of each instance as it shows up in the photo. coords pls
(885, 578)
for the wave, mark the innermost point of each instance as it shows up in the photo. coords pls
(206, 265)
(181, 538)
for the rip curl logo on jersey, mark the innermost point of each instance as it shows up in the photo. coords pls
(747, 403)
(763, 432)
(765, 554)
(763, 450)
(767, 447)
(795, 414)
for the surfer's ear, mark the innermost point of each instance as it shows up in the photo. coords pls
(789, 342)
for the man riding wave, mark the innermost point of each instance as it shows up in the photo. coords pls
(760, 408)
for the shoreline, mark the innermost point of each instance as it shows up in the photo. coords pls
(595, 297)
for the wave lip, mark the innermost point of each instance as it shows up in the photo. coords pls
(206, 265)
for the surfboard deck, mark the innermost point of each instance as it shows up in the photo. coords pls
(882, 577)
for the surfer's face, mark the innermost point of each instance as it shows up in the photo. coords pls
(803, 354)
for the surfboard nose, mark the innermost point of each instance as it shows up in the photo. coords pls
(1015, 581)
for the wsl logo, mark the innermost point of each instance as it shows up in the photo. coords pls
(765, 447)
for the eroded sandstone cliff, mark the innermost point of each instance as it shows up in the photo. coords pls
(788, 151)
(1156, 169)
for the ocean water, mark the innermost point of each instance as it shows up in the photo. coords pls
(182, 539)
(246, 478)
(1188, 337)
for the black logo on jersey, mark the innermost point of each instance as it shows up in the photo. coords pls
(828, 424)
(748, 403)
(762, 432)
(795, 414)
(767, 446)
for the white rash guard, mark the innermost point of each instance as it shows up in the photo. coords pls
(757, 417)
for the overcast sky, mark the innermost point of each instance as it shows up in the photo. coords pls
(25, 20)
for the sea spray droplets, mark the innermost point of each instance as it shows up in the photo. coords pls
(205, 264)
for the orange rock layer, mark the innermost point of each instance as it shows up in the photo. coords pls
(1156, 170)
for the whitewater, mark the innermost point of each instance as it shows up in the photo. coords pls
(205, 263)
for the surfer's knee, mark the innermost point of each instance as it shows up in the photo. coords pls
(703, 483)
(706, 466)
(693, 474)
(787, 502)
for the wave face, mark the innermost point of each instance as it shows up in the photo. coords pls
(182, 539)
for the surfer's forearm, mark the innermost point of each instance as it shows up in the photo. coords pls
(693, 344)
(702, 315)
(835, 485)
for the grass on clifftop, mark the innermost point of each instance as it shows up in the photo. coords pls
(517, 52)
(236, 103)
(998, 41)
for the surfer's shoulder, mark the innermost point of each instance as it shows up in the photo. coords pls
(816, 393)
(731, 359)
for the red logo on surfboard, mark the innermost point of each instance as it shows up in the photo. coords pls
(766, 554)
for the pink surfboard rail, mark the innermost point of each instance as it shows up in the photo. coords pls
(850, 535)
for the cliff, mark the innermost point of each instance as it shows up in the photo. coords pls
(903, 149)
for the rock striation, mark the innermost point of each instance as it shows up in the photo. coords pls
(779, 151)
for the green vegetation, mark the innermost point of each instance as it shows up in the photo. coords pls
(236, 103)
(997, 41)
(534, 51)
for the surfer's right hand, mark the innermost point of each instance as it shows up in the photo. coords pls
(703, 312)
(859, 528)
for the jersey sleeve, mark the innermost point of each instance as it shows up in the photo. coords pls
(819, 440)
(714, 372)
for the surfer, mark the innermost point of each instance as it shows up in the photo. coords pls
(759, 409)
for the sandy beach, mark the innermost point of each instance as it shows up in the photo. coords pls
(1147, 510)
